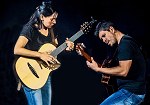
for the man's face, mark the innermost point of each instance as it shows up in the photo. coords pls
(107, 37)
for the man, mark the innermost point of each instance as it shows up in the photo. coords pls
(131, 68)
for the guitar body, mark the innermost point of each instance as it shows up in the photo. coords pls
(109, 82)
(106, 79)
(34, 72)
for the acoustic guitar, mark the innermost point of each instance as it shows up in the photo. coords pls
(106, 79)
(34, 72)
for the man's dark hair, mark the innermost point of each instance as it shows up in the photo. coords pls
(102, 26)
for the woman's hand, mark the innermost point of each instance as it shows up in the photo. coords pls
(47, 58)
(70, 45)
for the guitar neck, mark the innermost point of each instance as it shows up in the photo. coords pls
(88, 57)
(63, 45)
(73, 38)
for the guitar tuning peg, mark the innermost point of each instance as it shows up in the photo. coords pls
(82, 44)
(85, 23)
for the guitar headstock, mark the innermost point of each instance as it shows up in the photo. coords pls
(86, 26)
(80, 50)
(80, 46)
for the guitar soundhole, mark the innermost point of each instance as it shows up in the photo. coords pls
(32, 70)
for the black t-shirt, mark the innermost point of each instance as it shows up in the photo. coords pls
(36, 39)
(128, 49)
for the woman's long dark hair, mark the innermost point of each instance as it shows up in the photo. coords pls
(45, 9)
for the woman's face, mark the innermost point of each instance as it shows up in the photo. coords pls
(49, 21)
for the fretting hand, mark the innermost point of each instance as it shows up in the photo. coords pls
(70, 45)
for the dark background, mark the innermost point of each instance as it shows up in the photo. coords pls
(73, 83)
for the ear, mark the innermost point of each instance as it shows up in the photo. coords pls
(41, 17)
(111, 29)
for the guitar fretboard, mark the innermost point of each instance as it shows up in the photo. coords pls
(63, 46)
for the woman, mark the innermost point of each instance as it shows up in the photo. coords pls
(37, 32)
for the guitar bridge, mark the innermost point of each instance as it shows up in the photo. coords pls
(105, 78)
(53, 66)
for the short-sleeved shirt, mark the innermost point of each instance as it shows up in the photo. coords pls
(128, 49)
(36, 39)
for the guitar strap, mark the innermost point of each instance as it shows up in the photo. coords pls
(115, 52)
(53, 37)
(19, 85)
